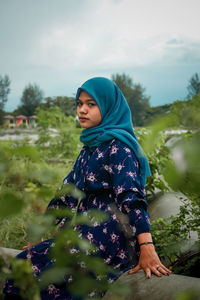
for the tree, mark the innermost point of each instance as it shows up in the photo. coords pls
(4, 90)
(32, 96)
(194, 86)
(134, 94)
(66, 104)
(187, 112)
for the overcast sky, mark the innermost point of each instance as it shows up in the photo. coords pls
(59, 44)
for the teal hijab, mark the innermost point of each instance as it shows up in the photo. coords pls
(116, 120)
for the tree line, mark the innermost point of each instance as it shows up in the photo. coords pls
(135, 94)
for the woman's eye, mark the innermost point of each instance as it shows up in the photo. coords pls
(91, 104)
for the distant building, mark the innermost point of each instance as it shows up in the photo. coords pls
(21, 120)
(32, 121)
(9, 121)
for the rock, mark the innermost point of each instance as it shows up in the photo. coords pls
(156, 288)
(9, 251)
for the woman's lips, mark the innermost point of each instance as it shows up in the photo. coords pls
(83, 119)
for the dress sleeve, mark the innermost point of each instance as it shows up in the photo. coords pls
(126, 181)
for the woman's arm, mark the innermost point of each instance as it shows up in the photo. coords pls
(130, 196)
(149, 260)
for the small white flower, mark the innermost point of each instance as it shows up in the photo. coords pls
(127, 150)
(35, 268)
(119, 167)
(96, 224)
(114, 237)
(102, 247)
(110, 170)
(114, 217)
(91, 177)
(82, 264)
(122, 254)
(90, 236)
(108, 260)
(100, 154)
(114, 150)
(73, 250)
(131, 174)
(105, 230)
(120, 189)
(92, 294)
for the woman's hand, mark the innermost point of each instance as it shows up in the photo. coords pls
(149, 260)
(30, 245)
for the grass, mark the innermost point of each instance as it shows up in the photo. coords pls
(36, 194)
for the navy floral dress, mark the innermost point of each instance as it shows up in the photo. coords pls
(109, 175)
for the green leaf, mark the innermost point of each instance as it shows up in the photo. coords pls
(54, 275)
(97, 216)
(10, 204)
(39, 228)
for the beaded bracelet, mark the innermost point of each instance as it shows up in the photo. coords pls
(145, 243)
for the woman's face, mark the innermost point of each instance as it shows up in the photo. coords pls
(88, 111)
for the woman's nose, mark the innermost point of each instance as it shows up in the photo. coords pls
(83, 108)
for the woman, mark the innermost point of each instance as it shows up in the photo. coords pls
(111, 169)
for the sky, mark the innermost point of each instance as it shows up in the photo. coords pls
(59, 44)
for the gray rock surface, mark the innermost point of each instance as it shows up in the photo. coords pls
(9, 251)
(156, 288)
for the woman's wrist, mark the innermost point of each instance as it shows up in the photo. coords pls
(145, 239)
(145, 243)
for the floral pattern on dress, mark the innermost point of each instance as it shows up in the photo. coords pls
(110, 176)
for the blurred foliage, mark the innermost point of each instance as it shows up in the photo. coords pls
(29, 179)
(178, 169)
(172, 236)
(158, 157)
(194, 86)
(4, 90)
(66, 104)
(63, 141)
(190, 294)
(32, 96)
(135, 96)
(187, 112)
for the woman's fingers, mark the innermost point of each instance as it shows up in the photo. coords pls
(165, 271)
(134, 270)
(27, 246)
(137, 268)
(148, 273)
(161, 270)
(158, 271)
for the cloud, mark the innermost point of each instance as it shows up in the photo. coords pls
(58, 43)
(95, 34)
(60, 50)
